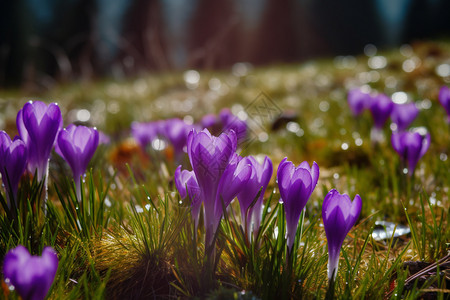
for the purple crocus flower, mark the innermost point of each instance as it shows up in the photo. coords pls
(233, 181)
(381, 107)
(258, 182)
(103, 138)
(31, 276)
(404, 114)
(232, 122)
(339, 214)
(296, 185)
(358, 101)
(209, 120)
(411, 146)
(13, 161)
(77, 145)
(38, 126)
(209, 157)
(186, 179)
(444, 98)
(176, 131)
(145, 133)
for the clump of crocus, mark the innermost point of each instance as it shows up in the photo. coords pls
(296, 185)
(38, 126)
(411, 146)
(174, 131)
(339, 214)
(381, 107)
(77, 145)
(260, 177)
(210, 156)
(187, 186)
(358, 101)
(444, 99)
(31, 276)
(13, 161)
(404, 114)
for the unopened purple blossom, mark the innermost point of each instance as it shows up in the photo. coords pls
(209, 156)
(31, 276)
(358, 101)
(339, 215)
(257, 183)
(296, 185)
(209, 120)
(187, 185)
(444, 99)
(233, 181)
(13, 162)
(381, 107)
(404, 114)
(411, 146)
(38, 126)
(77, 145)
(145, 133)
(232, 122)
(176, 131)
(225, 122)
(103, 138)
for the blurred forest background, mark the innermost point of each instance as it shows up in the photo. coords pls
(48, 41)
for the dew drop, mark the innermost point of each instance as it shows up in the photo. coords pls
(139, 209)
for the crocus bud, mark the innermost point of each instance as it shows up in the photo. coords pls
(403, 115)
(145, 133)
(176, 131)
(339, 214)
(258, 182)
(358, 101)
(381, 107)
(13, 161)
(296, 185)
(77, 145)
(31, 276)
(233, 181)
(186, 179)
(444, 99)
(209, 156)
(411, 146)
(232, 122)
(38, 126)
